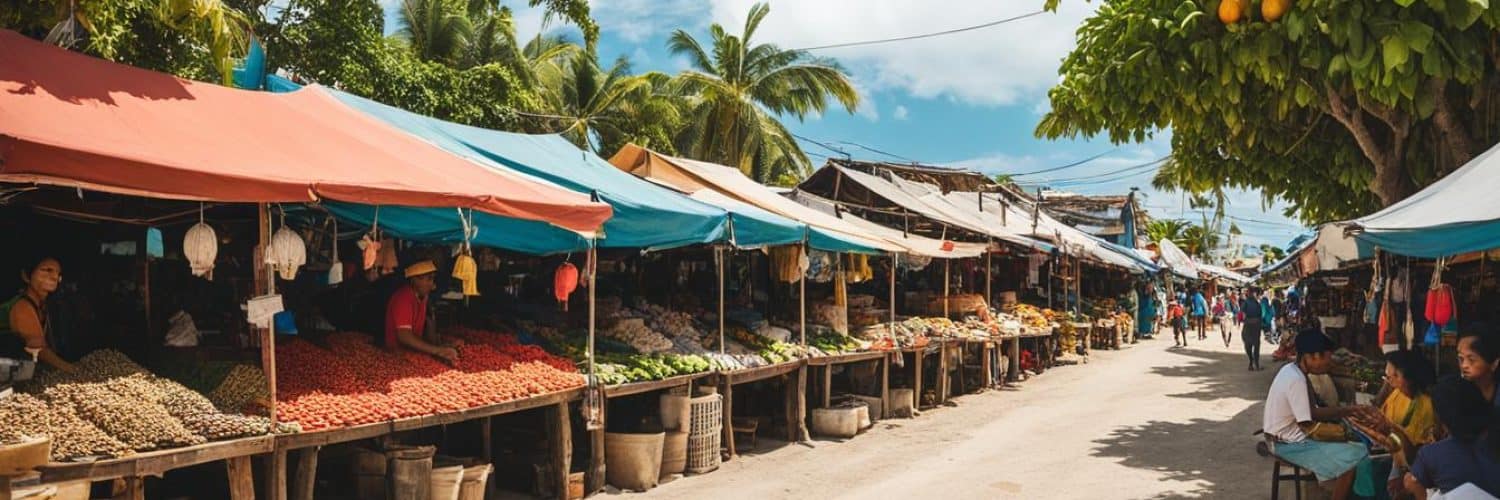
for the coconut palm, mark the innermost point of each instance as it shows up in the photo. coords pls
(221, 30)
(436, 30)
(584, 98)
(738, 90)
(1167, 229)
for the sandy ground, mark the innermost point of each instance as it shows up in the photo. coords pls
(1149, 421)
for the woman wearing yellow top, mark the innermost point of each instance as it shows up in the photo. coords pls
(1406, 420)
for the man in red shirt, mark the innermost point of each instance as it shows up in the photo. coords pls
(406, 313)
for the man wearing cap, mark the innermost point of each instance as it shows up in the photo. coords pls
(406, 313)
(1292, 418)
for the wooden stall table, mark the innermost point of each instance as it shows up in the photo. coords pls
(826, 364)
(594, 477)
(557, 423)
(794, 375)
(133, 469)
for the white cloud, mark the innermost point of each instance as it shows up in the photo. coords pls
(993, 66)
(636, 21)
(901, 113)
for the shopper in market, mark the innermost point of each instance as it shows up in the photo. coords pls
(1306, 432)
(1221, 317)
(1469, 457)
(25, 335)
(1179, 324)
(1250, 333)
(1479, 361)
(1200, 314)
(406, 313)
(1406, 420)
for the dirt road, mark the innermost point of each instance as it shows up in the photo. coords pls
(1150, 421)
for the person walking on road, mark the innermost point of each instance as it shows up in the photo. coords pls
(1250, 306)
(1200, 314)
(1179, 324)
(1221, 318)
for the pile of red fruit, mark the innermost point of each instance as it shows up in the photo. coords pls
(354, 382)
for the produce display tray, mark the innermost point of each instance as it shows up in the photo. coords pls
(346, 434)
(156, 463)
(850, 357)
(762, 372)
(618, 390)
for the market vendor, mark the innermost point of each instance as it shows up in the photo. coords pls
(1479, 361)
(1312, 436)
(1406, 420)
(406, 313)
(24, 335)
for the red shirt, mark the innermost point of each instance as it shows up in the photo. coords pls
(404, 310)
(1175, 311)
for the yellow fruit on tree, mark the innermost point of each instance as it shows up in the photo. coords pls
(1272, 10)
(1230, 11)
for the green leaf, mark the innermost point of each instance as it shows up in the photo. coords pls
(1417, 35)
(1394, 51)
(1405, 3)
(1426, 103)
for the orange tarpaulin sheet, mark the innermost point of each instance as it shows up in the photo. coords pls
(74, 120)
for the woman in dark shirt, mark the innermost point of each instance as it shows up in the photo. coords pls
(1470, 453)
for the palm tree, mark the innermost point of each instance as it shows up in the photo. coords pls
(220, 29)
(1272, 253)
(1172, 230)
(738, 88)
(436, 30)
(1199, 241)
(585, 99)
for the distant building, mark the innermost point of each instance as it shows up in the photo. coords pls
(1099, 215)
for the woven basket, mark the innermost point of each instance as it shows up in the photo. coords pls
(705, 431)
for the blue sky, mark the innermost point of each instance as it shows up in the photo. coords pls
(969, 99)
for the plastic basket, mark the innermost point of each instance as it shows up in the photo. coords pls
(705, 431)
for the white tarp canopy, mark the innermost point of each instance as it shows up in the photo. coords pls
(913, 196)
(920, 245)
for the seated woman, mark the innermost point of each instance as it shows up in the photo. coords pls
(1471, 452)
(24, 335)
(1406, 420)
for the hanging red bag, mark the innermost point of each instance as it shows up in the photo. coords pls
(1385, 322)
(1440, 304)
(564, 281)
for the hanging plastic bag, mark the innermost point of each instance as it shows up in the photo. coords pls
(1433, 335)
(336, 267)
(564, 281)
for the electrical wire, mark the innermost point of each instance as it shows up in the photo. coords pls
(876, 151)
(925, 35)
(845, 154)
(1070, 165)
(1132, 171)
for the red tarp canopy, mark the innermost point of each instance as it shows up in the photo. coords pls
(74, 120)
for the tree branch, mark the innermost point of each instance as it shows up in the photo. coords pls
(1389, 183)
(1460, 144)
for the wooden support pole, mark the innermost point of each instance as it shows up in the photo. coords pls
(265, 283)
(719, 266)
(917, 379)
(275, 477)
(894, 262)
(947, 269)
(943, 379)
(801, 405)
(1013, 364)
(560, 446)
(135, 488)
(594, 478)
(988, 377)
(802, 301)
(241, 478)
(307, 473)
(726, 387)
(827, 386)
(989, 267)
(885, 385)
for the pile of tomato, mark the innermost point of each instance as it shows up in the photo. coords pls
(354, 382)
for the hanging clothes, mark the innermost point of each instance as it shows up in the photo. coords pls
(858, 269)
(786, 263)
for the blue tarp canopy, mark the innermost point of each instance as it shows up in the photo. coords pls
(1457, 214)
(645, 215)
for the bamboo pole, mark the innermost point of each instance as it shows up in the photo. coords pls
(947, 269)
(802, 299)
(719, 267)
(265, 278)
(989, 264)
